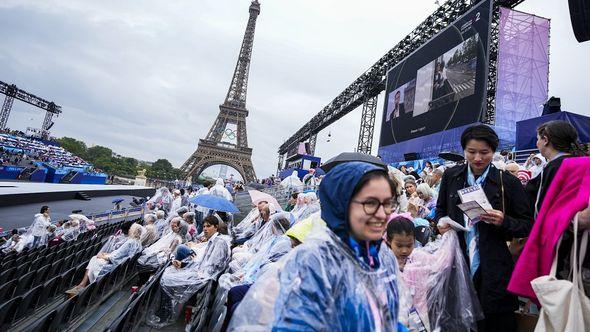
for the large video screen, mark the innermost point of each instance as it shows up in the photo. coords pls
(441, 85)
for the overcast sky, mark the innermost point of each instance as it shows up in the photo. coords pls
(145, 78)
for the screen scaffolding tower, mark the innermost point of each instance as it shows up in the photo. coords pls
(367, 87)
(12, 92)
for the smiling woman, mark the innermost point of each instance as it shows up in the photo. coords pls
(347, 279)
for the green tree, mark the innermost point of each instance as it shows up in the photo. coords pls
(98, 152)
(74, 146)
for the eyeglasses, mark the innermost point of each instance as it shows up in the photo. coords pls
(371, 206)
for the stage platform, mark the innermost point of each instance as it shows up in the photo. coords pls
(18, 193)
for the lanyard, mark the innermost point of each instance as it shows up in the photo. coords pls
(471, 180)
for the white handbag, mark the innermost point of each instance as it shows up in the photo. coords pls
(565, 307)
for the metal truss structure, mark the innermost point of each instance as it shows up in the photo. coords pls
(214, 150)
(13, 92)
(366, 88)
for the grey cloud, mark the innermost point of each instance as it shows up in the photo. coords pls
(146, 78)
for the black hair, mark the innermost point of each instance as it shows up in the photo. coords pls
(223, 215)
(400, 226)
(374, 175)
(44, 208)
(480, 133)
(182, 191)
(125, 227)
(283, 223)
(294, 195)
(14, 231)
(211, 220)
(563, 137)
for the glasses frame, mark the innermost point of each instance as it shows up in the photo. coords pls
(381, 204)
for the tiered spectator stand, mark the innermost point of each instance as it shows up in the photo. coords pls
(32, 283)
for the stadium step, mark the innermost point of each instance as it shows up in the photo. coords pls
(82, 196)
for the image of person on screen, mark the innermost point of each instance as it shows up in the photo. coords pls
(439, 88)
(398, 106)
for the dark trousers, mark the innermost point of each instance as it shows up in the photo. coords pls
(504, 322)
(234, 297)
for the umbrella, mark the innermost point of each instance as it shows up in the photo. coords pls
(118, 200)
(215, 203)
(352, 156)
(259, 196)
(451, 156)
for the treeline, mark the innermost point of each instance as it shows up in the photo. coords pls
(104, 159)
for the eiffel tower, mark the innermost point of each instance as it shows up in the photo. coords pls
(224, 144)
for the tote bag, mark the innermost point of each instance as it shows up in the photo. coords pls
(565, 306)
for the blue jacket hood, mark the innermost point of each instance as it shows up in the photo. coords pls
(335, 194)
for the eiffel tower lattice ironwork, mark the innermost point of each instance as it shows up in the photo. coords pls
(227, 140)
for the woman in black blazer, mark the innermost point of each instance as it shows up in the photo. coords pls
(489, 259)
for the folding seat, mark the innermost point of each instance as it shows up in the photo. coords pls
(67, 279)
(119, 323)
(28, 302)
(22, 269)
(83, 299)
(21, 260)
(41, 274)
(49, 290)
(67, 262)
(7, 289)
(49, 258)
(24, 283)
(36, 263)
(78, 256)
(42, 325)
(80, 270)
(7, 275)
(100, 288)
(7, 312)
(62, 316)
(55, 268)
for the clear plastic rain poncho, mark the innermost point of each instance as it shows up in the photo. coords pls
(323, 285)
(292, 182)
(338, 290)
(311, 206)
(247, 227)
(270, 251)
(438, 281)
(269, 231)
(114, 241)
(71, 233)
(98, 267)
(159, 252)
(82, 220)
(219, 190)
(177, 285)
(26, 241)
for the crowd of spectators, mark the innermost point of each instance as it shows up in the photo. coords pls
(23, 147)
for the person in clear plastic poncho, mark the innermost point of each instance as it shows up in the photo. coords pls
(271, 250)
(243, 231)
(310, 206)
(266, 231)
(292, 182)
(158, 253)
(220, 190)
(188, 274)
(103, 263)
(342, 280)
